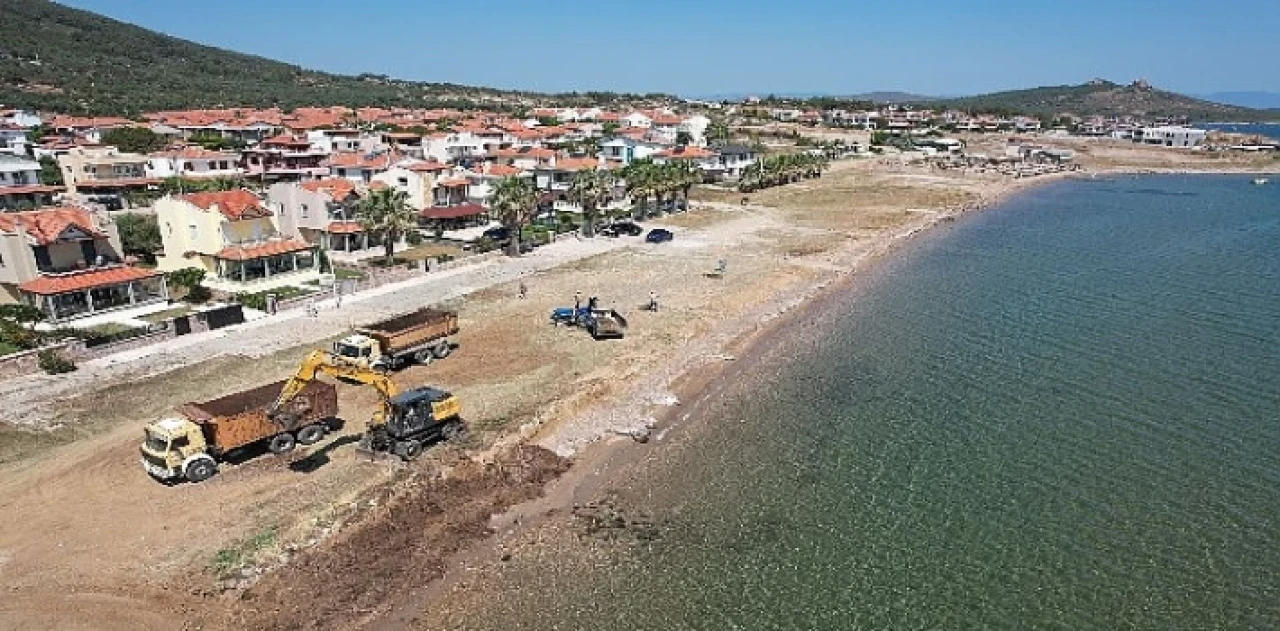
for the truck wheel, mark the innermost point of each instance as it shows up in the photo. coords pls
(443, 349)
(410, 450)
(281, 443)
(201, 470)
(423, 357)
(311, 434)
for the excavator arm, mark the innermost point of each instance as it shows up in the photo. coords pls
(321, 362)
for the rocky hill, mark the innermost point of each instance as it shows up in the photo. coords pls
(1099, 97)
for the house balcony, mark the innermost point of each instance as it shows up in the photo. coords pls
(263, 265)
(86, 292)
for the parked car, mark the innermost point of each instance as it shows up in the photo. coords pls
(619, 228)
(500, 234)
(659, 235)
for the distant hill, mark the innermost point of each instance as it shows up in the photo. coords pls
(1104, 98)
(61, 59)
(1256, 100)
(892, 97)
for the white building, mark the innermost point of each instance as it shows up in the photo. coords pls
(451, 147)
(637, 119)
(1170, 136)
(193, 162)
(627, 150)
(13, 140)
(19, 118)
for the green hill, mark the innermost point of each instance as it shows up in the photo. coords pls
(61, 59)
(1103, 98)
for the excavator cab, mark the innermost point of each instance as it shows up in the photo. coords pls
(168, 445)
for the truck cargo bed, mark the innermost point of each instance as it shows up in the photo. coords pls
(241, 418)
(412, 329)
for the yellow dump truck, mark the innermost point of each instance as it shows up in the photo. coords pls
(192, 444)
(416, 337)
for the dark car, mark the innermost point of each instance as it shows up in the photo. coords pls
(500, 234)
(659, 235)
(619, 228)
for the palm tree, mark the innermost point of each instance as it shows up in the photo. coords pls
(590, 188)
(386, 213)
(514, 200)
(641, 183)
(687, 175)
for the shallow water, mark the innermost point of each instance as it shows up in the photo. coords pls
(1062, 412)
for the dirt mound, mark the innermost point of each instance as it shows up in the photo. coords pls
(403, 546)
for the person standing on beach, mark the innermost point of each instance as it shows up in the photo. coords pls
(524, 291)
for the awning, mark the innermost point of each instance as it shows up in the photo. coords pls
(454, 183)
(344, 227)
(27, 190)
(453, 212)
(270, 248)
(51, 284)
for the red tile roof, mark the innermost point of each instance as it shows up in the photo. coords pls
(26, 190)
(424, 167)
(46, 225)
(352, 159)
(234, 205)
(50, 284)
(270, 248)
(454, 182)
(344, 227)
(453, 212)
(576, 164)
(499, 170)
(337, 189)
(685, 153)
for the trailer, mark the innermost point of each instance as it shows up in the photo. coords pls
(416, 337)
(191, 445)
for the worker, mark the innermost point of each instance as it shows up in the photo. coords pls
(524, 291)
(653, 301)
(577, 300)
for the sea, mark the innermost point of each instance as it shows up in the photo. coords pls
(1060, 412)
(1267, 130)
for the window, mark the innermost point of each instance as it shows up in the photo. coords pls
(305, 211)
(1, 260)
(188, 166)
(193, 231)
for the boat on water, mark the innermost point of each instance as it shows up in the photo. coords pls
(1259, 180)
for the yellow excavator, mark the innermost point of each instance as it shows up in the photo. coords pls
(404, 423)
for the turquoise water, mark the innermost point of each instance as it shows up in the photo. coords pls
(1060, 413)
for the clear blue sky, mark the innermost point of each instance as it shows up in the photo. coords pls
(699, 47)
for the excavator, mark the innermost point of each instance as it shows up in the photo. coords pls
(404, 423)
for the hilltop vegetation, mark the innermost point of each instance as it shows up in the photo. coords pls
(1102, 98)
(67, 60)
(60, 59)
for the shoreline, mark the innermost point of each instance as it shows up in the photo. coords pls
(598, 462)
(615, 451)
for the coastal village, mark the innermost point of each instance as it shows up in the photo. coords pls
(184, 256)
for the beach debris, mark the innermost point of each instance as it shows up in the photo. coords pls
(605, 519)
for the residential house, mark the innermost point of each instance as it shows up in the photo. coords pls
(284, 158)
(1170, 136)
(361, 167)
(484, 177)
(90, 170)
(417, 180)
(733, 159)
(457, 146)
(13, 140)
(341, 140)
(19, 118)
(319, 212)
(706, 159)
(626, 150)
(526, 158)
(67, 262)
(193, 162)
(232, 236)
(91, 129)
(20, 185)
(636, 119)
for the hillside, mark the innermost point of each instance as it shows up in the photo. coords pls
(1104, 98)
(57, 58)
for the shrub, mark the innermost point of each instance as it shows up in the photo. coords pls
(413, 238)
(54, 364)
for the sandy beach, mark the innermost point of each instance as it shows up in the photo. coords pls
(554, 416)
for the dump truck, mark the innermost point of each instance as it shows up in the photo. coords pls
(404, 423)
(416, 337)
(192, 444)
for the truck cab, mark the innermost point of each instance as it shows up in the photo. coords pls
(171, 445)
(360, 350)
